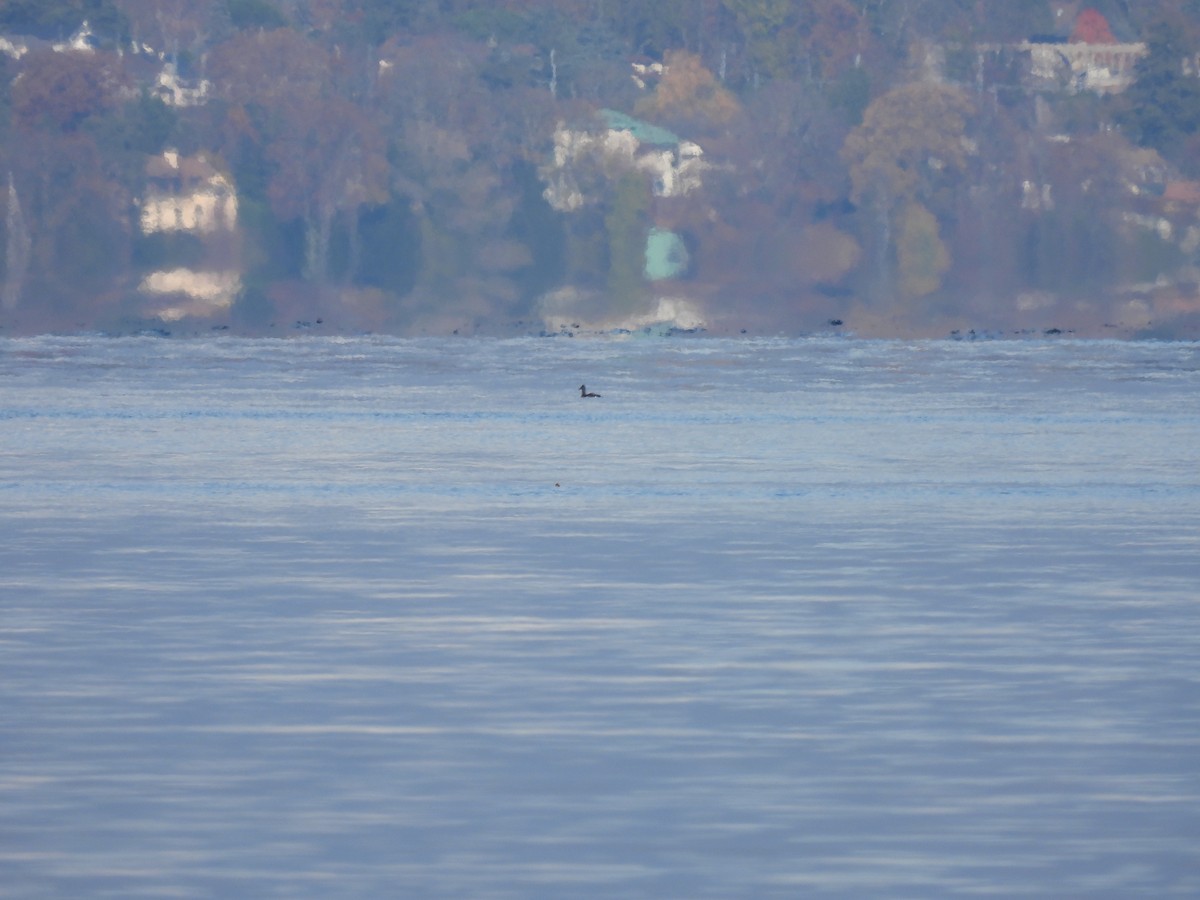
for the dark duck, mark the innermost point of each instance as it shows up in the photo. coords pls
(584, 392)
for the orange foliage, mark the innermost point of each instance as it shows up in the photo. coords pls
(688, 92)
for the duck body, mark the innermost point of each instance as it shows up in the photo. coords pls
(584, 392)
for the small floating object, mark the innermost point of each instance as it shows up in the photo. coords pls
(584, 392)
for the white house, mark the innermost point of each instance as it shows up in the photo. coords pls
(1101, 68)
(187, 194)
(675, 166)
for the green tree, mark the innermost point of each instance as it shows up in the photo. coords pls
(1012, 20)
(626, 226)
(254, 14)
(768, 28)
(58, 19)
(651, 28)
(1161, 109)
(921, 257)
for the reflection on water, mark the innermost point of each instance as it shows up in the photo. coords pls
(398, 618)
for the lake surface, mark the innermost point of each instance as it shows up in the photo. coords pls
(772, 618)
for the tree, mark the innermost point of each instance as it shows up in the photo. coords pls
(321, 155)
(786, 148)
(174, 27)
(266, 71)
(77, 236)
(899, 24)
(1012, 20)
(910, 141)
(768, 29)
(907, 138)
(627, 228)
(689, 96)
(921, 257)
(63, 90)
(455, 157)
(1073, 244)
(650, 28)
(57, 19)
(254, 14)
(329, 160)
(1161, 109)
(834, 34)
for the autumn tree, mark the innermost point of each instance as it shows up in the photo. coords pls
(911, 141)
(263, 71)
(457, 149)
(688, 96)
(834, 35)
(63, 90)
(73, 227)
(73, 224)
(329, 161)
(322, 158)
(769, 224)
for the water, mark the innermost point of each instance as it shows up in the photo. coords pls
(388, 618)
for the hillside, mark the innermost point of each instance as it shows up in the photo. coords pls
(932, 167)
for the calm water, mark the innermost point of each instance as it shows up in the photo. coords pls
(385, 618)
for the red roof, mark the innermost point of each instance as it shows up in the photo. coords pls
(1182, 192)
(1092, 28)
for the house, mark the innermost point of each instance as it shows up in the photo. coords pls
(1100, 68)
(178, 92)
(674, 165)
(82, 41)
(162, 77)
(1091, 59)
(617, 144)
(188, 195)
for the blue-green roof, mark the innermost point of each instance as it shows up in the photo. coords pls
(643, 131)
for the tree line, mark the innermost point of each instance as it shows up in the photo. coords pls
(883, 162)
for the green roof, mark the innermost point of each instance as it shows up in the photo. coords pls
(643, 131)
